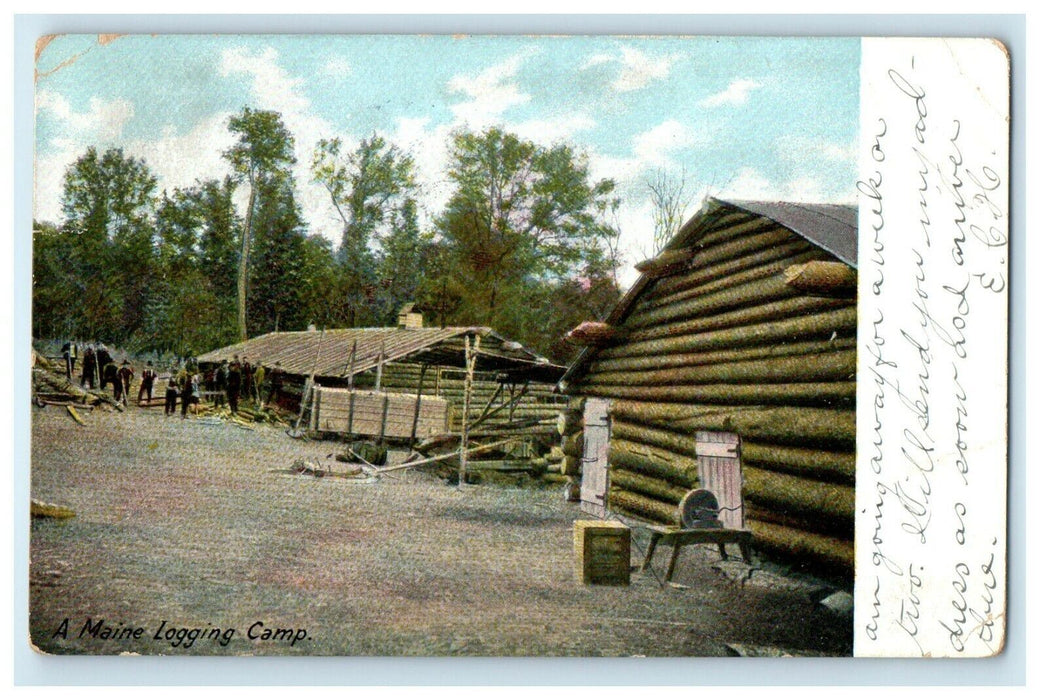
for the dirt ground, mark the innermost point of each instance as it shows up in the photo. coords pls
(186, 525)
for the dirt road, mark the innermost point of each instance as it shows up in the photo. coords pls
(190, 538)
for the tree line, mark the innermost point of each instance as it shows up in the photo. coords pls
(526, 244)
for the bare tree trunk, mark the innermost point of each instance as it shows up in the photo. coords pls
(241, 280)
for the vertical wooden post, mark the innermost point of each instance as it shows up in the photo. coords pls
(468, 393)
(418, 403)
(378, 376)
(352, 390)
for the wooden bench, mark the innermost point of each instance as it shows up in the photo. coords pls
(680, 537)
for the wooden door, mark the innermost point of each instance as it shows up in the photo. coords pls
(596, 443)
(720, 471)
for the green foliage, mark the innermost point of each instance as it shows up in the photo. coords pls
(371, 190)
(524, 245)
(523, 222)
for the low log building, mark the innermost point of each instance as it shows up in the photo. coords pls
(744, 324)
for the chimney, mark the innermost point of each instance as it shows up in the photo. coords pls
(409, 318)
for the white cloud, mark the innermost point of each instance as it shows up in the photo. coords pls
(272, 86)
(655, 146)
(636, 69)
(491, 92)
(749, 183)
(554, 129)
(808, 150)
(337, 67)
(103, 121)
(736, 93)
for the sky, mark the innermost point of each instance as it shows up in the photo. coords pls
(747, 118)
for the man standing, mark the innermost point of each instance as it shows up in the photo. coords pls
(171, 395)
(87, 378)
(148, 377)
(246, 377)
(110, 374)
(125, 375)
(221, 382)
(233, 390)
(276, 380)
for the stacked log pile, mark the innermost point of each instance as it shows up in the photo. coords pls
(51, 387)
(755, 335)
(539, 403)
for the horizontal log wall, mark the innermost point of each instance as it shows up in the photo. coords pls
(730, 345)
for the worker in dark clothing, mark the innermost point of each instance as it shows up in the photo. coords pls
(148, 377)
(69, 355)
(111, 375)
(87, 378)
(171, 395)
(190, 391)
(126, 374)
(246, 377)
(221, 383)
(276, 381)
(234, 379)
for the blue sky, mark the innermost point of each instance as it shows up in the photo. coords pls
(760, 118)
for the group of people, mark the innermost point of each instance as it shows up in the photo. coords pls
(231, 380)
(228, 381)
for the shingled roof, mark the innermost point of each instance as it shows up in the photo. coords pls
(326, 353)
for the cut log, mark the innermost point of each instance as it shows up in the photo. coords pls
(745, 296)
(821, 394)
(733, 281)
(835, 554)
(765, 329)
(682, 444)
(667, 289)
(823, 465)
(714, 250)
(638, 503)
(653, 462)
(836, 529)
(75, 415)
(39, 509)
(666, 263)
(573, 444)
(60, 384)
(823, 277)
(797, 306)
(700, 359)
(657, 489)
(568, 422)
(818, 367)
(571, 466)
(794, 494)
(591, 333)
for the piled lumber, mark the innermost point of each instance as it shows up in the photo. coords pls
(378, 414)
(61, 391)
(490, 398)
(754, 334)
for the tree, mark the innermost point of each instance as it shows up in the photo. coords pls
(277, 268)
(521, 215)
(108, 204)
(369, 189)
(264, 149)
(671, 196)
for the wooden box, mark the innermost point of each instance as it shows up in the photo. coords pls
(601, 552)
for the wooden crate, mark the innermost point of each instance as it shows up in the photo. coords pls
(601, 552)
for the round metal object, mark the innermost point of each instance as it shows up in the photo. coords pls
(699, 509)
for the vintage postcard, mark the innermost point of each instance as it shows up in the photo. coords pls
(403, 345)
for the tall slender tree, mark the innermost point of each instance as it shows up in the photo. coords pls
(264, 148)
